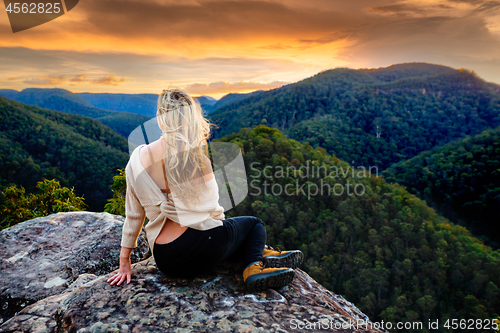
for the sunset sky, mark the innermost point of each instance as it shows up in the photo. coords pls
(217, 47)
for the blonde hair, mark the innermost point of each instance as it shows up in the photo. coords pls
(186, 132)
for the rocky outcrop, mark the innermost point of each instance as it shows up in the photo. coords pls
(43, 256)
(216, 301)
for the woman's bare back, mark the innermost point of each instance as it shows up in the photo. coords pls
(150, 157)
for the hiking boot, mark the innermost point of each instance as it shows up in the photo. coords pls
(259, 278)
(277, 258)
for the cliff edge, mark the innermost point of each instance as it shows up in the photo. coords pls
(55, 268)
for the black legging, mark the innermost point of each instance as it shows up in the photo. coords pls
(195, 251)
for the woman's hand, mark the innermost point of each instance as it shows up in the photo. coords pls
(125, 272)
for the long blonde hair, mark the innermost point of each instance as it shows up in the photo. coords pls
(185, 131)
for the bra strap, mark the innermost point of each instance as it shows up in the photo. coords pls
(164, 173)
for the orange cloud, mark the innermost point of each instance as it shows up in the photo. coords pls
(78, 78)
(75, 80)
(46, 80)
(222, 87)
(109, 80)
(185, 29)
(245, 41)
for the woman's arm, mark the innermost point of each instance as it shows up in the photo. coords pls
(125, 270)
(135, 215)
(134, 220)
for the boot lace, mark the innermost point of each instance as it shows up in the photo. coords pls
(261, 264)
(273, 249)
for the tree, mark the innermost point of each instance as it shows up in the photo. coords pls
(426, 304)
(116, 205)
(51, 198)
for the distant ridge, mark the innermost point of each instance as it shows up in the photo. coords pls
(405, 70)
(103, 106)
(42, 96)
(65, 101)
(235, 97)
(416, 107)
(144, 104)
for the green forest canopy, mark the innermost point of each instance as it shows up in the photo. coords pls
(384, 250)
(77, 151)
(460, 179)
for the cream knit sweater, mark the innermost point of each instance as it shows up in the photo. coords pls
(145, 199)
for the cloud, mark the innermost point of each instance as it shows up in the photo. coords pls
(78, 78)
(439, 8)
(54, 80)
(155, 43)
(402, 9)
(108, 80)
(47, 80)
(217, 20)
(145, 73)
(329, 38)
(192, 30)
(278, 46)
(222, 87)
(488, 6)
(414, 28)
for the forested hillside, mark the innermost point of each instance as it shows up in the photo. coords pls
(380, 247)
(234, 97)
(372, 117)
(207, 103)
(65, 101)
(77, 151)
(460, 179)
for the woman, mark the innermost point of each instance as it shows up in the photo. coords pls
(187, 230)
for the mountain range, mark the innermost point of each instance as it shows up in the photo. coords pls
(372, 117)
(65, 101)
(121, 112)
(146, 104)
